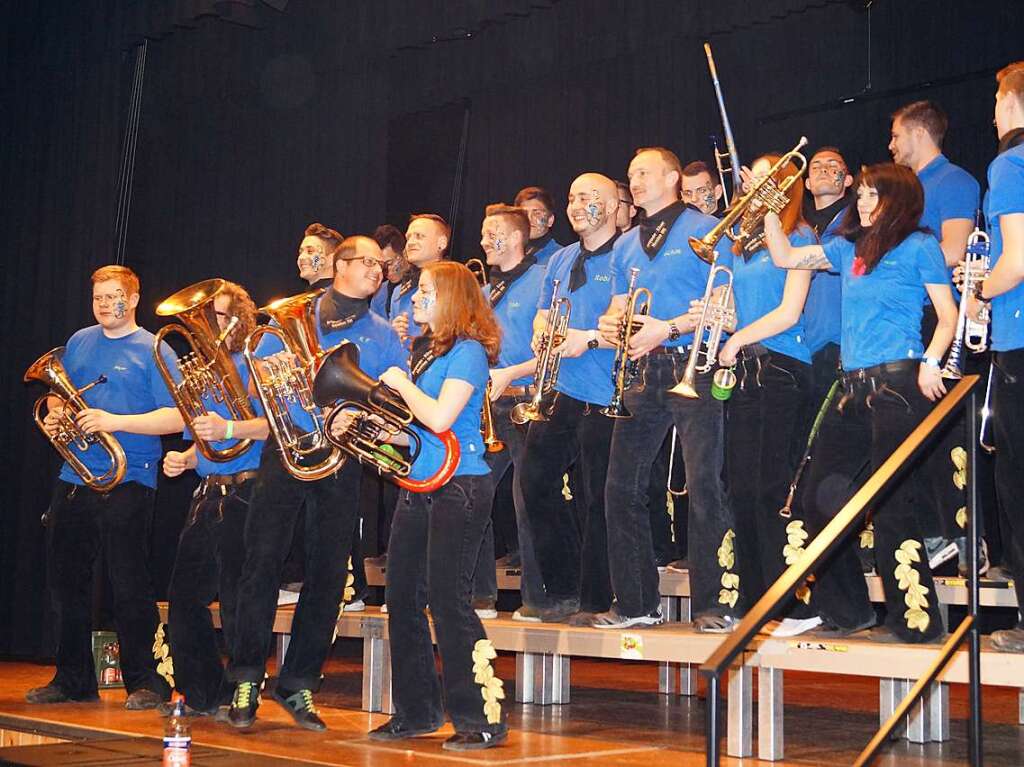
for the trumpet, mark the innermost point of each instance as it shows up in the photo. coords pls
(491, 441)
(208, 369)
(769, 194)
(69, 438)
(378, 411)
(714, 318)
(625, 370)
(970, 334)
(548, 360)
(280, 385)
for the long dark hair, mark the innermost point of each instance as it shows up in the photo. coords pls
(898, 215)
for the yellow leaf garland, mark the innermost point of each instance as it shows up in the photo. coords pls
(730, 594)
(492, 689)
(908, 579)
(867, 536)
(162, 654)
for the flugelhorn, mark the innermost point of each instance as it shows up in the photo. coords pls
(625, 370)
(548, 360)
(716, 315)
(970, 334)
(768, 194)
(208, 369)
(69, 438)
(281, 385)
(378, 411)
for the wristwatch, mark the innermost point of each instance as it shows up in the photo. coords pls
(673, 331)
(932, 362)
(593, 343)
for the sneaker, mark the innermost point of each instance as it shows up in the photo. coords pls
(244, 704)
(559, 611)
(355, 606)
(526, 615)
(285, 597)
(715, 624)
(143, 700)
(961, 548)
(582, 618)
(885, 635)
(300, 705)
(999, 573)
(791, 627)
(51, 693)
(474, 741)
(830, 630)
(613, 620)
(384, 609)
(166, 708)
(395, 729)
(1008, 640)
(678, 566)
(940, 551)
(485, 609)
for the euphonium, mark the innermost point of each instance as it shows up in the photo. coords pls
(69, 437)
(707, 333)
(970, 334)
(208, 369)
(768, 193)
(625, 370)
(548, 359)
(378, 410)
(280, 384)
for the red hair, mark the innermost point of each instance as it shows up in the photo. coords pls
(128, 279)
(462, 310)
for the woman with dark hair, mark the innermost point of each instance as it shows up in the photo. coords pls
(888, 265)
(436, 536)
(773, 373)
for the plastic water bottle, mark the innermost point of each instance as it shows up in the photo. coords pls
(178, 736)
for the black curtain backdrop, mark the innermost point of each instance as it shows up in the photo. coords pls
(259, 117)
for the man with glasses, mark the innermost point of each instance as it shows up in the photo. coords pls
(392, 245)
(700, 188)
(342, 313)
(540, 209)
(625, 212)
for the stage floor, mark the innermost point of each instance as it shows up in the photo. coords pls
(616, 719)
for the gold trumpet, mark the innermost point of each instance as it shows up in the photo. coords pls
(208, 369)
(69, 437)
(280, 385)
(548, 360)
(768, 193)
(625, 370)
(707, 333)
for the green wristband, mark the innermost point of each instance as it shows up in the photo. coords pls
(230, 430)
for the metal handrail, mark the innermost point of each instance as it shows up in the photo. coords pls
(827, 540)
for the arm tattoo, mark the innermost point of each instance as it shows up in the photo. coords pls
(815, 259)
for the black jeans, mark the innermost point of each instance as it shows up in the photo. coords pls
(1007, 430)
(208, 566)
(117, 523)
(866, 423)
(576, 432)
(668, 528)
(277, 500)
(435, 540)
(635, 443)
(764, 442)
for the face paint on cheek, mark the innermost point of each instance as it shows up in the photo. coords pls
(426, 302)
(316, 263)
(710, 203)
(594, 208)
(838, 178)
(499, 245)
(120, 306)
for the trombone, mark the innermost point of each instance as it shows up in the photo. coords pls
(730, 152)
(625, 370)
(479, 270)
(548, 360)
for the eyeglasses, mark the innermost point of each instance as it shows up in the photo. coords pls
(369, 262)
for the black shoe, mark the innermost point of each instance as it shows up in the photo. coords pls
(300, 705)
(830, 630)
(143, 700)
(51, 693)
(244, 704)
(560, 611)
(395, 729)
(474, 741)
(166, 708)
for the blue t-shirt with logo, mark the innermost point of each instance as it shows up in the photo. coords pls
(675, 276)
(824, 304)
(1005, 196)
(758, 286)
(515, 313)
(588, 377)
(544, 253)
(465, 361)
(949, 192)
(133, 386)
(882, 310)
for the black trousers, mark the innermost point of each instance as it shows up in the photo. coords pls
(208, 566)
(1008, 434)
(330, 515)
(118, 523)
(435, 540)
(861, 430)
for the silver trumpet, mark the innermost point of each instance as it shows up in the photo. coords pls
(969, 334)
(548, 360)
(714, 318)
(625, 370)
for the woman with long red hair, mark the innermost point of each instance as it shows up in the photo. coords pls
(436, 536)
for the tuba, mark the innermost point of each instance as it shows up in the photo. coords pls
(707, 333)
(340, 384)
(625, 370)
(208, 369)
(750, 209)
(548, 361)
(69, 437)
(970, 334)
(280, 385)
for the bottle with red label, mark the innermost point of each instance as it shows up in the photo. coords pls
(178, 736)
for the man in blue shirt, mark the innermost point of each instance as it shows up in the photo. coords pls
(700, 188)
(342, 313)
(392, 245)
(574, 430)
(132, 404)
(426, 241)
(539, 206)
(658, 248)
(314, 259)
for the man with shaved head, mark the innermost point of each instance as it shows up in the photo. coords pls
(575, 432)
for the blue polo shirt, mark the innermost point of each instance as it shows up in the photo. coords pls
(949, 192)
(401, 303)
(675, 276)
(379, 349)
(544, 253)
(588, 377)
(247, 461)
(515, 313)
(380, 304)
(882, 310)
(824, 304)
(133, 386)
(465, 361)
(758, 286)
(1005, 196)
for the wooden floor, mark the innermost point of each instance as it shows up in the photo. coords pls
(616, 718)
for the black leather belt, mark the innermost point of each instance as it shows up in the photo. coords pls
(863, 374)
(230, 480)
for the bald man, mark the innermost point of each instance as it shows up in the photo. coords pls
(576, 432)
